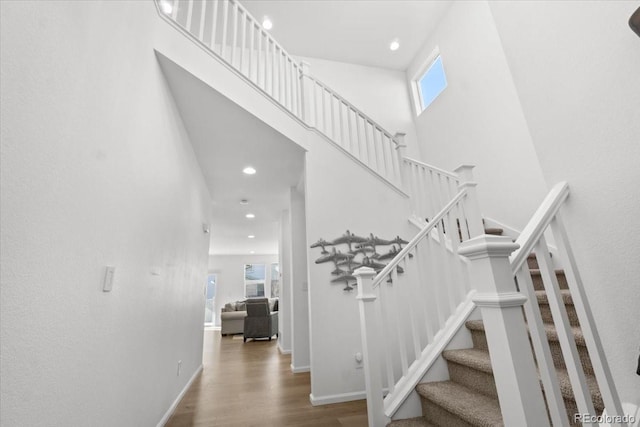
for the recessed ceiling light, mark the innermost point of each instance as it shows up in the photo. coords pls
(251, 236)
(166, 7)
(244, 202)
(250, 216)
(252, 252)
(267, 24)
(394, 45)
(249, 170)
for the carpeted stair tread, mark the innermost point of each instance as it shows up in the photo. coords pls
(471, 357)
(565, 293)
(493, 230)
(550, 330)
(411, 422)
(592, 384)
(468, 405)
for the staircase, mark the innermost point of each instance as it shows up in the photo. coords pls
(452, 266)
(470, 397)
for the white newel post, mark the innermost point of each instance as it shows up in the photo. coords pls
(306, 88)
(514, 370)
(371, 345)
(401, 152)
(471, 205)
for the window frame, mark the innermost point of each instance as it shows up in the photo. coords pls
(256, 282)
(417, 77)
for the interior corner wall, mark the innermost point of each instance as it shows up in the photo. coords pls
(478, 119)
(96, 170)
(284, 253)
(576, 67)
(378, 92)
(229, 271)
(299, 284)
(341, 195)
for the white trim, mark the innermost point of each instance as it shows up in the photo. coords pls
(337, 398)
(282, 350)
(406, 385)
(511, 299)
(174, 405)
(300, 369)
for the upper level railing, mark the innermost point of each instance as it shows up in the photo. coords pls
(226, 29)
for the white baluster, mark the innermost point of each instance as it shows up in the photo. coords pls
(214, 25)
(203, 11)
(472, 206)
(585, 317)
(243, 42)
(189, 15)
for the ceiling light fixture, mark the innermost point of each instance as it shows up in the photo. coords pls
(250, 216)
(166, 7)
(244, 202)
(251, 236)
(267, 24)
(249, 170)
(252, 252)
(394, 45)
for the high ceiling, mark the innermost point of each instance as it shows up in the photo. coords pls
(226, 139)
(354, 31)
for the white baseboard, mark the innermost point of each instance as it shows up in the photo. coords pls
(300, 369)
(337, 398)
(174, 405)
(282, 350)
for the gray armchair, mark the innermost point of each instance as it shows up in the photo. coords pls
(260, 322)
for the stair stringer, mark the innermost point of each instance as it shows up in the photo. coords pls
(405, 403)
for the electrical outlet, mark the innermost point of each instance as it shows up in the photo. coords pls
(358, 359)
(179, 367)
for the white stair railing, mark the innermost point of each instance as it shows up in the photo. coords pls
(408, 305)
(228, 31)
(547, 219)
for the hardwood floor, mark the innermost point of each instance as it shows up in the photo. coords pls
(252, 385)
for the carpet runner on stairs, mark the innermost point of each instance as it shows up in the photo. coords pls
(469, 397)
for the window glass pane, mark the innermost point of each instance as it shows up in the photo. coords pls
(254, 289)
(275, 280)
(254, 272)
(432, 83)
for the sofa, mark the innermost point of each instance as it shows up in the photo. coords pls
(233, 314)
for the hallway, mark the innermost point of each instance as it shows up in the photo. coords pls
(252, 385)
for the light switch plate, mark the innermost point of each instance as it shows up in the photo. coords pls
(107, 284)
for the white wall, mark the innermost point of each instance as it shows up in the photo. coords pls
(299, 284)
(97, 170)
(379, 93)
(576, 67)
(284, 252)
(478, 119)
(229, 270)
(341, 197)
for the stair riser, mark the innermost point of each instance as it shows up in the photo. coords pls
(479, 381)
(439, 416)
(538, 285)
(547, 317)
(558, 359)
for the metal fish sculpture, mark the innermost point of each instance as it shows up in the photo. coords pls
(321, 244)
(348, 238)
(334, 256)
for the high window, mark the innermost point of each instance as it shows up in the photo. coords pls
(430, 83)
(254, 278)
